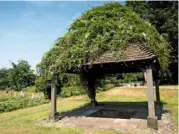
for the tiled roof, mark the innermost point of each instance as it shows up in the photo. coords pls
(133, 52)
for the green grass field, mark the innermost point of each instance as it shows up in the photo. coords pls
(24, 121)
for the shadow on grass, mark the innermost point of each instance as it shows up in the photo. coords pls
(139, 108)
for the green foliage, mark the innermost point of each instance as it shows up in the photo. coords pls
(131, 77)
(104, 87)
(106, 82)
(68, 80)
(113, 80)
(104, 28)
(72, 91)
(163, 15)
(13, 103)
(20, 75)
(108, 86)
(73, 87)
(30, 89)
(40, 84)
(4, 82)
(75, 91)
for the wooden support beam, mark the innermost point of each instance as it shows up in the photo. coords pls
(157, 91)
(151, 119)
(91, 90)
(53, 115)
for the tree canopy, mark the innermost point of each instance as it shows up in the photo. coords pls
(20, 75)
(104, 28)
(163, 15)
(4, 82)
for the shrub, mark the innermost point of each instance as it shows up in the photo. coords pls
(104, 88)
(72, 91)
(14, 103)
(108, 86)
(40, 84)
(30, 89)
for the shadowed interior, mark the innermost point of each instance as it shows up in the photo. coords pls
(104, 113)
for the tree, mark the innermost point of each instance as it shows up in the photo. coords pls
(41, 84)
(4, 81)
(163, 15)
(20, 75)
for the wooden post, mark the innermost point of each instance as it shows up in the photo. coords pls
(157, 89)
(151, 119)
(53, 114)
(92, 90)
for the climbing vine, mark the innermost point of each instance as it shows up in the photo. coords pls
(101, 29)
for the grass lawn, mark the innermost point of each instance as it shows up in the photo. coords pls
(23, 121)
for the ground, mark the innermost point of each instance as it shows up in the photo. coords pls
(26, 120)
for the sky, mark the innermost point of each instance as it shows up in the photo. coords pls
(29, 29)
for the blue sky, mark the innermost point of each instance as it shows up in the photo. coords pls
(29, 29)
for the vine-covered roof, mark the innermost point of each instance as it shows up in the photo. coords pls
(105, 29)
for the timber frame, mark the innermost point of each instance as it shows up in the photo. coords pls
(149, 66)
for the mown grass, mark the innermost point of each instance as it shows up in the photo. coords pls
(24, 121)
(170, 98)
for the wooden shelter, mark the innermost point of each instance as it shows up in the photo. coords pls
(136, 58)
